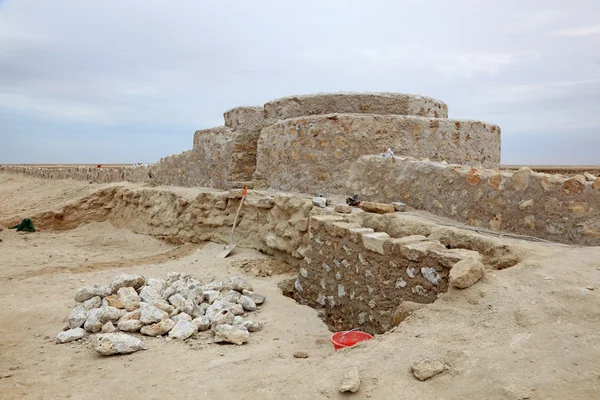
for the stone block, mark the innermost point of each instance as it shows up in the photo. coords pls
(340, 229)
(378, 208)
(356, 233)
(378, 242)
(317, 222)
(418, 250)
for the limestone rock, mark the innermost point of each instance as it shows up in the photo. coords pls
(163, 305)
(247, 303)
(177, 300)
(252, 326)
(351, 381)
(79, 314)
(159, 328)
(236, 309)
(70, 335)
(214, 285)
(117, 343)
(108, 328)
(466, 272)
(300, 354)
(126, 280)
(404, 310)
(114, 301)
(203, 323)
(93, 322)
(426, 369)
(153, 289)
(230, 297)
(237, 320)
(343, 209)
(210, 296)
(575, 185)
(183, 330)
(238, 283)
(378, 208)
(129, 297)
(131, 325)
(399, 206)
(258, 299)
(133, 315)
(589, 177)
(88, 292)
(151, 315)
(319, 202)
(215, 308)
(223, 317)
(181, 317)
(231, 334)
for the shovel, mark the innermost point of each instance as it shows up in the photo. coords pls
(230, 246)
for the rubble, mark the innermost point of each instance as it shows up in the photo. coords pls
(426, 369)
(351, 381)
(178, 306)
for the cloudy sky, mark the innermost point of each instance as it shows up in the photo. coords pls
(131, 80)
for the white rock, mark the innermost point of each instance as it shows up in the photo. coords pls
(132, 325)
(159, 328)
(163, 305)
(132, 315)
(223, 317)
(247, 303)
(231, 297)
(351, 381)
(215, 285)
(177, 300)
(70, 335)
(231, 334)
(252, 326)
(108, 328)
(258, 299)
(238, 283)
(116, 343)
(236, 309)
(181, 317)
(93, 323)
(183, 330)
(151, 315)
(237, 320)
(210, 296)
(214, 309)
(79, 314)
(466, 272)
(126, 280)
(88, 292)
(153, 289)
(198, 311)
(129, 297)
(203, 323)
(319, 202)
(426, 369)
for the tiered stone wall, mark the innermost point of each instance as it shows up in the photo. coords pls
(552, 207)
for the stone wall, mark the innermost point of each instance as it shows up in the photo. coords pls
(314, 154)
(553, 207)
(89, 174)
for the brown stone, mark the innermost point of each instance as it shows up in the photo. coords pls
(575, 185)
(343, 209)
(378, 208)
(466, 273)
(495, 181)
(300, 354)
(473, 177)
(404, 310)
(596, 184)
(520, 179)
(114, 301)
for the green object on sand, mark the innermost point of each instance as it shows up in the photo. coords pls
(26, 225)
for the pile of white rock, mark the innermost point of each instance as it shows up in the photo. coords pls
(178, 306)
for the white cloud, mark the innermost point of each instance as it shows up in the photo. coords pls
(580, 31)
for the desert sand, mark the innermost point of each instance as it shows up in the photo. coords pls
(531, 331)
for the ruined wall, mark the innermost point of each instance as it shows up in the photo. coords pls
(356, 277)
(553, 207)
(314, 154)
(89, 174)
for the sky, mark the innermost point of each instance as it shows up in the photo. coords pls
(110, 81)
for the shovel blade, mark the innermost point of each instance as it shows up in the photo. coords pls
(228, 249)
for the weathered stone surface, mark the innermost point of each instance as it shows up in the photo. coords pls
(70, 335)
(404, 310)
(202, 323)
(575, 185)
(300, 354)
(351, 381)
(319, 202)
(343, 209)
(378, 208)
(130, 325)
(231, 334)
(247, 303)
(215, 308)
(223, 317)
(596, 184)
(114, 301)
(426, 369)
(181, 317)
(399, 206)
(129, 298)
(377, 242)
(177, 301)
(132, 315)
(236, 309)
(239, 283)
(158, 329)
(252, 326)
(257, 298)
(108, 328)
(126, 280)
(153, 289)
(210, 296)
(231, 296)
(151, 315)
(86, 293)
(80, 313)
(163, 305)
(589, 177)
(116, 343)
(183, 330)
(466, 273)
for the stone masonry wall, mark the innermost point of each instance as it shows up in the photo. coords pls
(314, 154)
(552, 207)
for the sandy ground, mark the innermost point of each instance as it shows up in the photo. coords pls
(528, 332)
